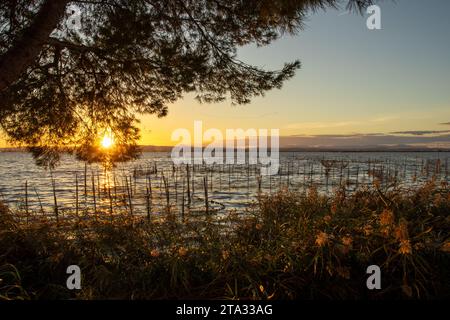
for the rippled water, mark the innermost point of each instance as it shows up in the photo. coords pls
(128, 186)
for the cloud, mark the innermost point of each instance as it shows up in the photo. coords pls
(372, 140)
(445, 124)
(421, 133)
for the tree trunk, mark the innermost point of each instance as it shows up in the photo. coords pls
(27, 47)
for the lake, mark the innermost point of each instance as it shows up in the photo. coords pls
(154, 180)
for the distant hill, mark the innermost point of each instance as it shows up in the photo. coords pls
(12, 149)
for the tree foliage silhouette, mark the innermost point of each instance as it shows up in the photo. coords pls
(63, 84)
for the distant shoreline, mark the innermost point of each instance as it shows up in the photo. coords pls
(336, 150)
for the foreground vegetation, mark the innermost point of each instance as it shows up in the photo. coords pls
(289, 246)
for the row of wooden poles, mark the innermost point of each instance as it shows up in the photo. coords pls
(128, 184)
(188, 183)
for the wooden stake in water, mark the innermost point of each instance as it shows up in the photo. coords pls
(446, 169)
(175, 172)
(182, 204)
(99, 187)
(55, 201)
(229, 177)
(258, 179)
(149, 178)
(148, 198)
(270, 184)
(205, 185)
(288, 174)
(212, 179)
(110, 198)
(85, 185)
(129, 194)
(93, 193)
(40, 202)
(220, 176)
(166, 189)
(193, 181)
(26, 199)
(357, 178)
(135, 184)
(76, 194)
(248, 180)
(188, 185)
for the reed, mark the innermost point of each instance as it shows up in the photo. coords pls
(289, 245)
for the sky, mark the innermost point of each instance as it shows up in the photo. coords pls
(353, 81)
(356, 86)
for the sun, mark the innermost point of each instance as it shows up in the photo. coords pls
(107, 140)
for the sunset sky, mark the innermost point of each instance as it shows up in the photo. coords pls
(392, 84)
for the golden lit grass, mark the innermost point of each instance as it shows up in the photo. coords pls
(290, 246)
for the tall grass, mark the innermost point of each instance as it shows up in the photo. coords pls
(288, 246)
